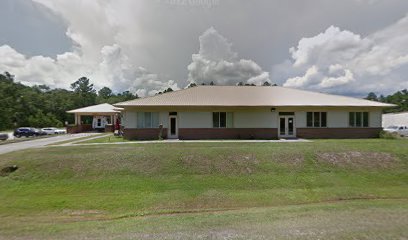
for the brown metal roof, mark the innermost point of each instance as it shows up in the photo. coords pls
(248, 96)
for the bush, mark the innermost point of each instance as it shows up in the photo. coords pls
(389, 135)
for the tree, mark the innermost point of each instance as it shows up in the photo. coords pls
(166, 91)
(192, 85)
(83, 85)
(240, 84)
(212, 83)
(126, 96)
(85, 92)
(266, 83)
(372, 96)
(105, 93)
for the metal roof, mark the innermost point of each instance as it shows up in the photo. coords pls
(248, 96)
(100, 108)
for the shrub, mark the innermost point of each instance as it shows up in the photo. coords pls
(389, 135)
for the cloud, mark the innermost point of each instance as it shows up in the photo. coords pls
(217, 62)
(103, 49)
(341, 61)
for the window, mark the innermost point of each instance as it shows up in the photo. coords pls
(316, 119)
(222, 120)
(358, 119)
(147, 120)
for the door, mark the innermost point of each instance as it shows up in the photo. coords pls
(173, 128)
(287, 127)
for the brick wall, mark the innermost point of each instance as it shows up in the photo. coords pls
(338, 132)
(251, 133)
(143, 133)
(79, 128)
(228, 133)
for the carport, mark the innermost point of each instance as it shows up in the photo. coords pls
(104, 118)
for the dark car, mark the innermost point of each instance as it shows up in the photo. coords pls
(3, 136)
(26, 132)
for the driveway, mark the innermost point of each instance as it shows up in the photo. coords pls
(35, 143)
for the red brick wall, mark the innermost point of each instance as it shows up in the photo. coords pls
(79, 128)
(338, 132)
(143, 133)
(109, 128)
(228, 133)
(251, 133)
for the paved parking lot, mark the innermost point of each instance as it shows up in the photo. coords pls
(11, 147)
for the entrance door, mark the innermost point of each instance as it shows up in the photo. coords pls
(173, 128)
(287, 126)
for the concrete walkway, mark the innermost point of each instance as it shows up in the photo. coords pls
(167, 141)
(36, 143)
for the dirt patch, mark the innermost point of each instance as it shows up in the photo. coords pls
(81, 212)
(7, 170)
(224, 164)
(358, 159)
(290, 160)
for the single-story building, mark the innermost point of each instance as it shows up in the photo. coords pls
(395, 119)
(250, 112)
(104, 118)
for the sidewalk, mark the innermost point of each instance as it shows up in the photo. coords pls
(78, 143)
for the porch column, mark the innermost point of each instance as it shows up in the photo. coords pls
(79, 119)
(76, 119)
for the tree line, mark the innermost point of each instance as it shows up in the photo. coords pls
(399, 98)
(41, 106)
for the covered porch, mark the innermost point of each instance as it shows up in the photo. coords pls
(102, 117)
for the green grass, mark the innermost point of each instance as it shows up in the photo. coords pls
(241, 189)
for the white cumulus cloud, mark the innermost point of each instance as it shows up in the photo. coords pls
(217, 62)
(341, 61)
(105, 39)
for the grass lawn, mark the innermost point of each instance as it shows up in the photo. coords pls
(352, 189)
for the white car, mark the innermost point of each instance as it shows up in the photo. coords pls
(60, 131)
(400, 130)
(49, 130)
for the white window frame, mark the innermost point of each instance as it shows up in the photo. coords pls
(229, 119)
(313, 120)
(354, 124)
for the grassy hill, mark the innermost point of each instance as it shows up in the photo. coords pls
(179, 190)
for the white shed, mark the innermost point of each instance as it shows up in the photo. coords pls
(395, 119)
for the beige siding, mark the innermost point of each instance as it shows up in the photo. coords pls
(300, 119)
(164, 119)
(251, 119)
(337, 119)
(130, 119)
(375, 119)
(255, 119)
(195, 119)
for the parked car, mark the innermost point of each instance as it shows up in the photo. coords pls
(3, 136)
(39, 132)
(25, 132)
(49, 130)
(60, 131)
(400, 130)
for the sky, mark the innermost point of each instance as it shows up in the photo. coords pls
(348, 47)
